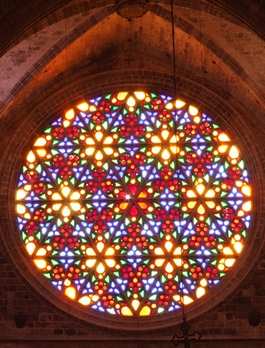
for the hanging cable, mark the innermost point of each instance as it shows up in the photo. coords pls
(173, 47)
(175, 96)
(186, 337)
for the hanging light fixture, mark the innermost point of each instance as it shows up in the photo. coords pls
(186, 337)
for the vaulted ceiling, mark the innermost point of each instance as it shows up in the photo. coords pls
(47, 47)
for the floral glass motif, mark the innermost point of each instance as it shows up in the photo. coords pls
(134, 204)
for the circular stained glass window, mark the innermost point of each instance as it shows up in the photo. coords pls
(134, 204)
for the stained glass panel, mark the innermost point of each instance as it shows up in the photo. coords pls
(134, 203)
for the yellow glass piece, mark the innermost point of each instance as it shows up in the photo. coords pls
(67, 282)
(204, 282)
(30, 248)
(89, 151)
(20, 194)
(174, 149)
(177, 251)
(159, 262)
(200, 189)
(240, 213)
(168, 246)
(85, 300)
(165, 134)
(75, 206)
(40, 142)
(210, 193)
(66, 211)
(65, 191)
(197, 119)
(135, 304)
(66, 123)
(90, 141)
(193, 110)
(200, 292)
(178, 262)
(75, 196)
(56, 206)
(40, 263)
(31, 157)
(56, 196)
(21, 209)
(90, 263)
(98, 136)
(108, 151)
(228, 251)
(41, 152)
(179, 103)
(159, 251)
(110, 262)
(27, 187)
(70, 114)
(246, 206)
(126, 311)
(95, 298)
(233, 153)
(41, 252)
(169, 268)
(221, 266)
(122, 95)
(191, 194)
(169, 106)
(143, 205)
(201, 210)
(176, 298)
(238, 246)
(223, 137)
(124, 205)
(92, 108)
(222, 148)
(187, 300)
(108, 140)
(100, 268)
(142, 194)
(174, 139)
(156, 149)
(139, 95)
(210, 204)
(83, 106)
(145, 311)
(155, 139)
(110, 251)
(70, 292)
(165, 154)
(229, 262)
(131, 101)
(100, 246)
(191, 204)
(99, 156)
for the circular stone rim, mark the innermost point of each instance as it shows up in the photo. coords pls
(131, 324)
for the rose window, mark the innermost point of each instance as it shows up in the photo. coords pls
(134, 204)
